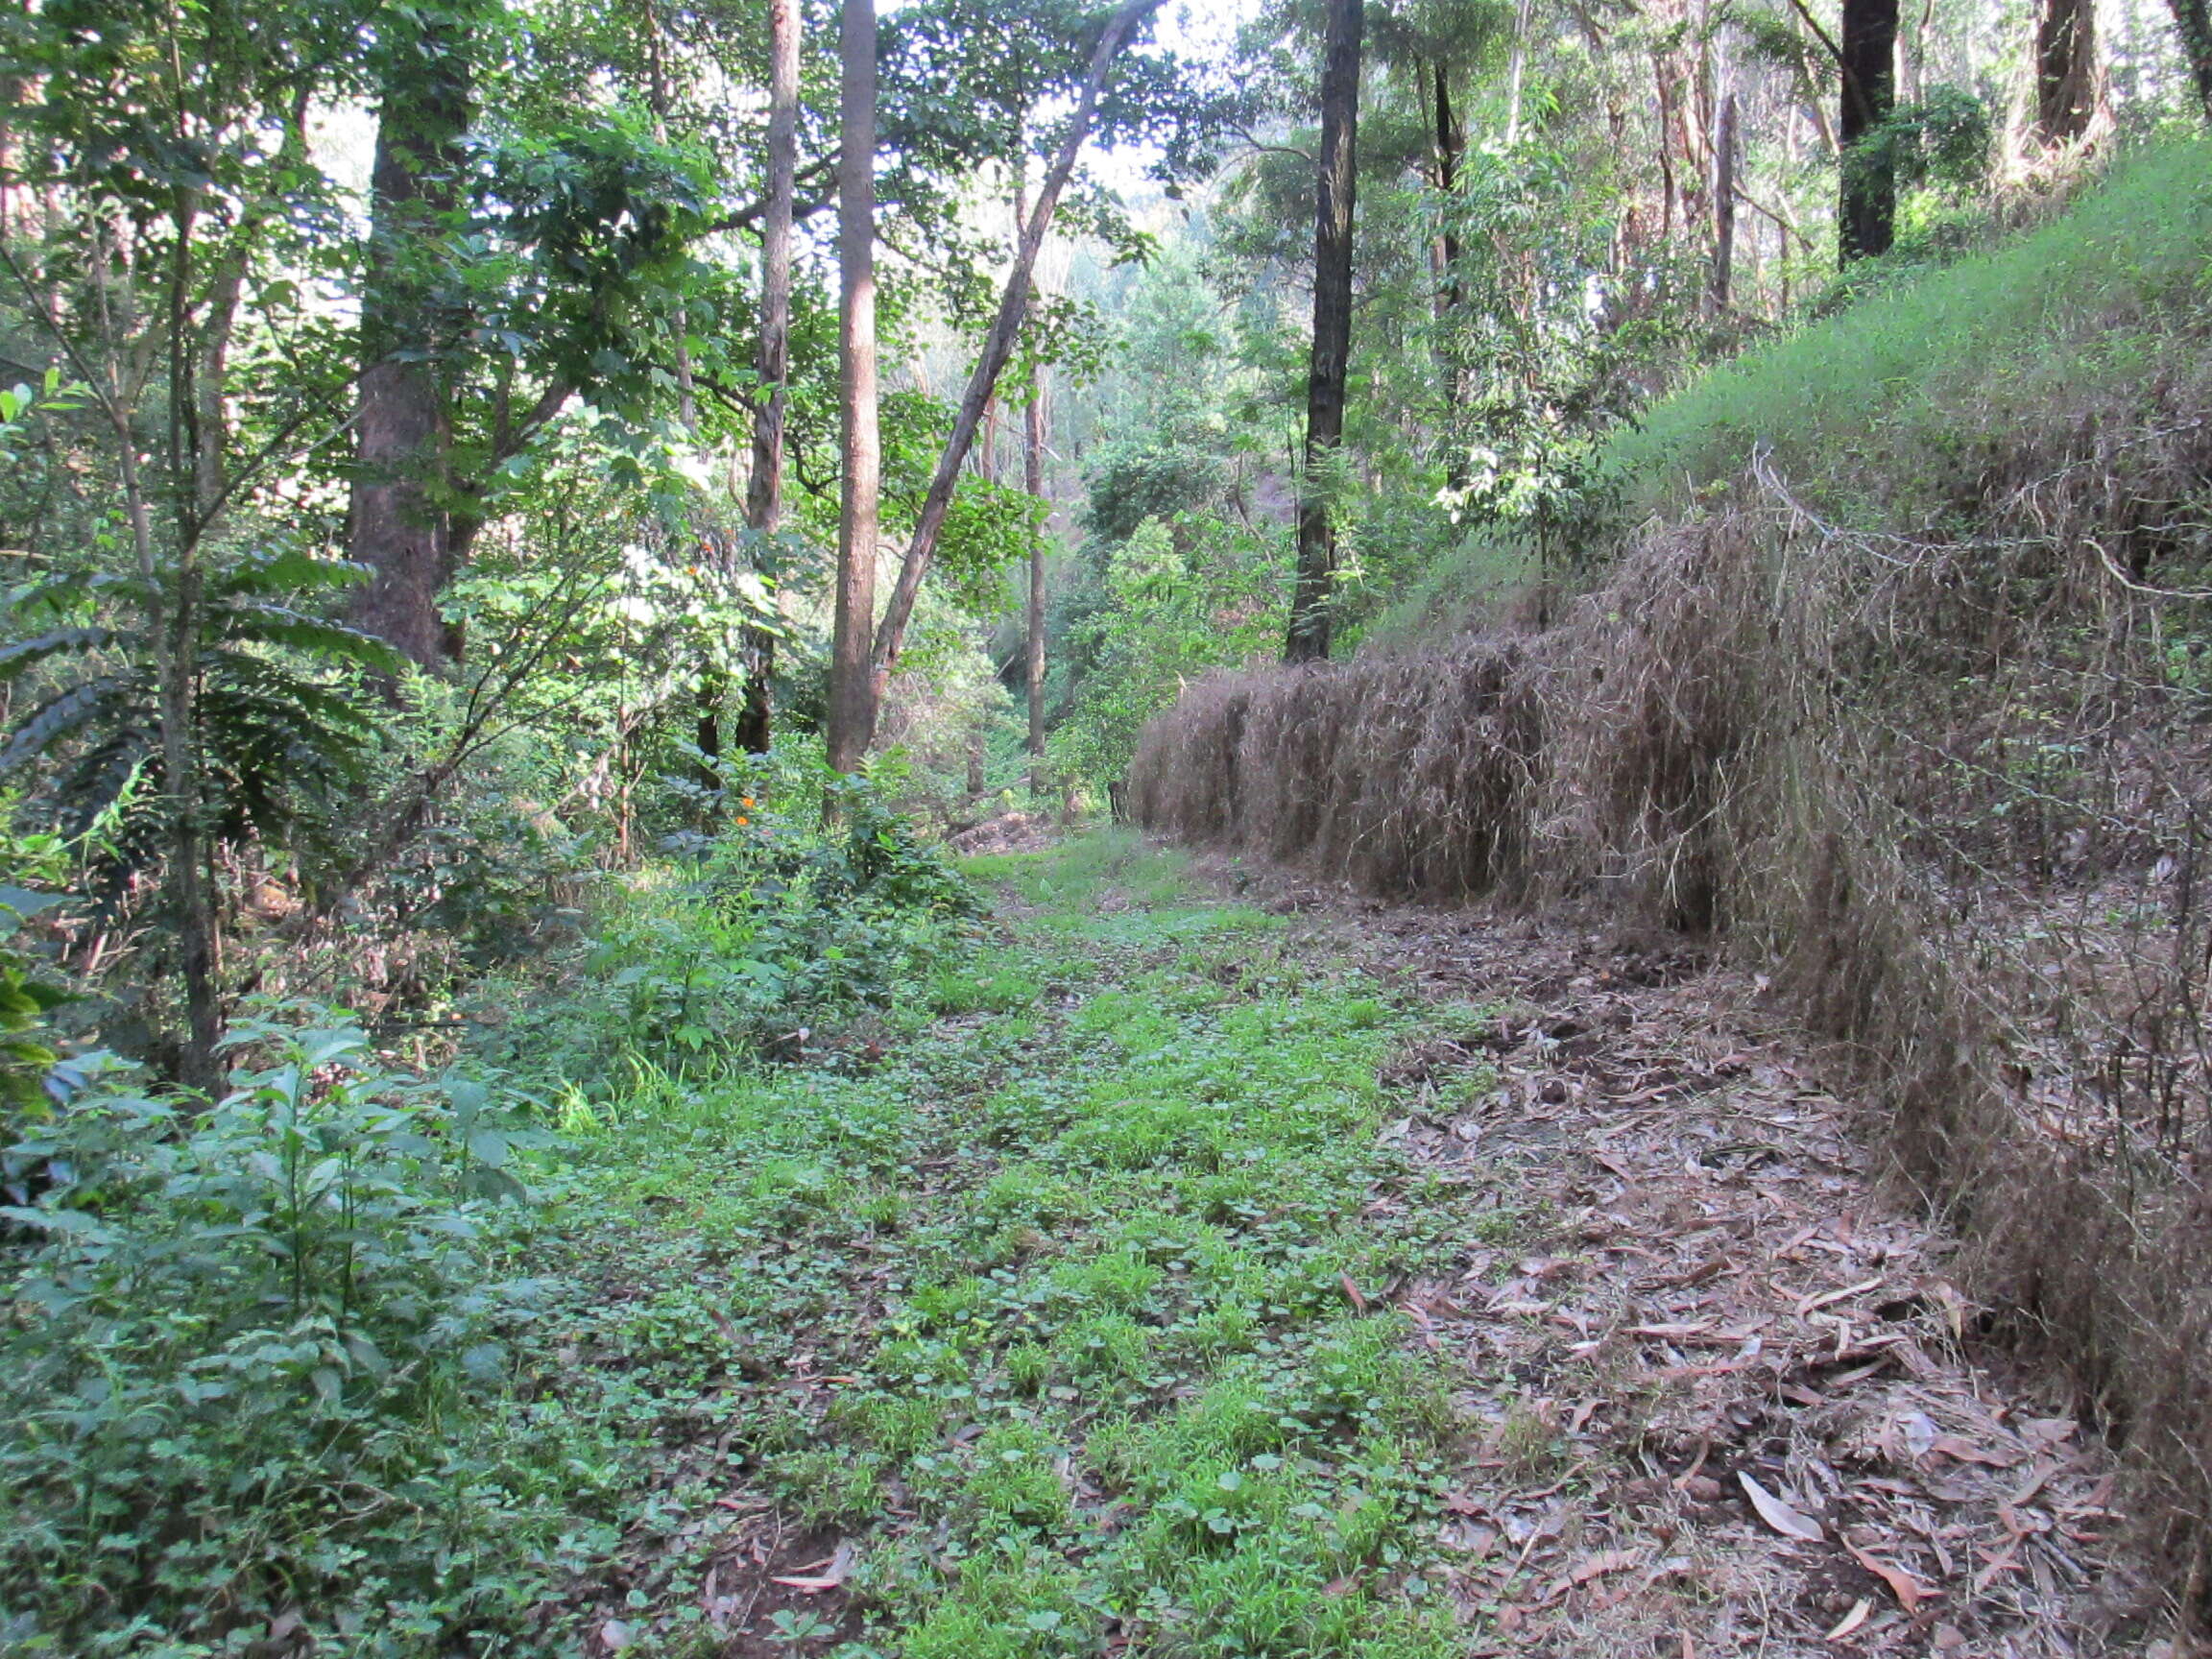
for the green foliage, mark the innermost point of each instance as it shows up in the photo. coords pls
(813, 903)
(1092, 1402)
(1177, 599)
(277, 731)
(242, 1340)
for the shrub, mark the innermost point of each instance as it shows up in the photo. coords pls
(232, 1339)
(812, 904)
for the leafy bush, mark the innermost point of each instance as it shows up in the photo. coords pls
(813, 904)
(233, 1344)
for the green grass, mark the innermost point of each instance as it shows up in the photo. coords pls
(1054, 1309)
(1886, 397)
(1885, 414)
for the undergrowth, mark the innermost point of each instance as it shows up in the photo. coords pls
(1053, 1296)
(1059, 1305)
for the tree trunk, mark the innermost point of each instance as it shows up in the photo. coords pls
(1866, 212)
(764, 490)
(400, 522)
(2069, 89)
(1310, 601)
(1033, 480)
(1451, 147)
(1723, 202)
(1514, 75)
(2193, 22)
(852, 681)
(998, 343)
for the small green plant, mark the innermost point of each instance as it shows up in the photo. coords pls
(792, 1626)
(247, 1317)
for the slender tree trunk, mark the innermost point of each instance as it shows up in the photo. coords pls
(400, 524)
(1313, 600)
(1723, 202)
(1451, 147)
(2069, 88)
(852, 682)
(2193, 22)
(1514, 75)
(998, 343)
(1033, 480)
(764, 490)
(1867, 215)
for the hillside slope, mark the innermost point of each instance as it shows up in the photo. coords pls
(1901, 684)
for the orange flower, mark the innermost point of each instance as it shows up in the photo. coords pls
(742, 821)
(745, 801)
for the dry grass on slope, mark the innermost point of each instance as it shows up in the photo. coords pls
(1951, 790)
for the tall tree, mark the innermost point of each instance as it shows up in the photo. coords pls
(1724, 200)
(2069, 85)
(2193, 22)
(1867, 215)
(764, 490)
(1331, 351)
(997, 345)
(1033, 654)
(400, 522)
(852, 683)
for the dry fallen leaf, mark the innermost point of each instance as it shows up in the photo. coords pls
(1825, 1298)
(1852, 1619)
(1791, 1522)
(836, 1568)
(1902, 1584)
(1961, 1451)
(1597, 1566)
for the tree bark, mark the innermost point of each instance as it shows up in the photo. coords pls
(1867, 210)
(998, 345)
(2069, 89)
(1723, 202)
(1451, 148)
(852, 681)
(400, 523)
(764, 490)
(1033, 480)
(1514, 75)
(1312, 599)
(2193, 22)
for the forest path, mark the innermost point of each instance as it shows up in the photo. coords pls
(1779, 1433)
(1280, 1280)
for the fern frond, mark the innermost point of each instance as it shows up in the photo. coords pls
(19, 654)
(317, 636)
(53, 720)
(287, 570)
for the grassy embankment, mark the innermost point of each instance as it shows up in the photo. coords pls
(1898, 674)
(1887, 414)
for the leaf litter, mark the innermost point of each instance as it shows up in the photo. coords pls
(1777, 1429)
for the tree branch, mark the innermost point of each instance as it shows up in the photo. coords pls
(999, 345)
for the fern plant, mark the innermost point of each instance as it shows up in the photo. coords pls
(276, 725)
